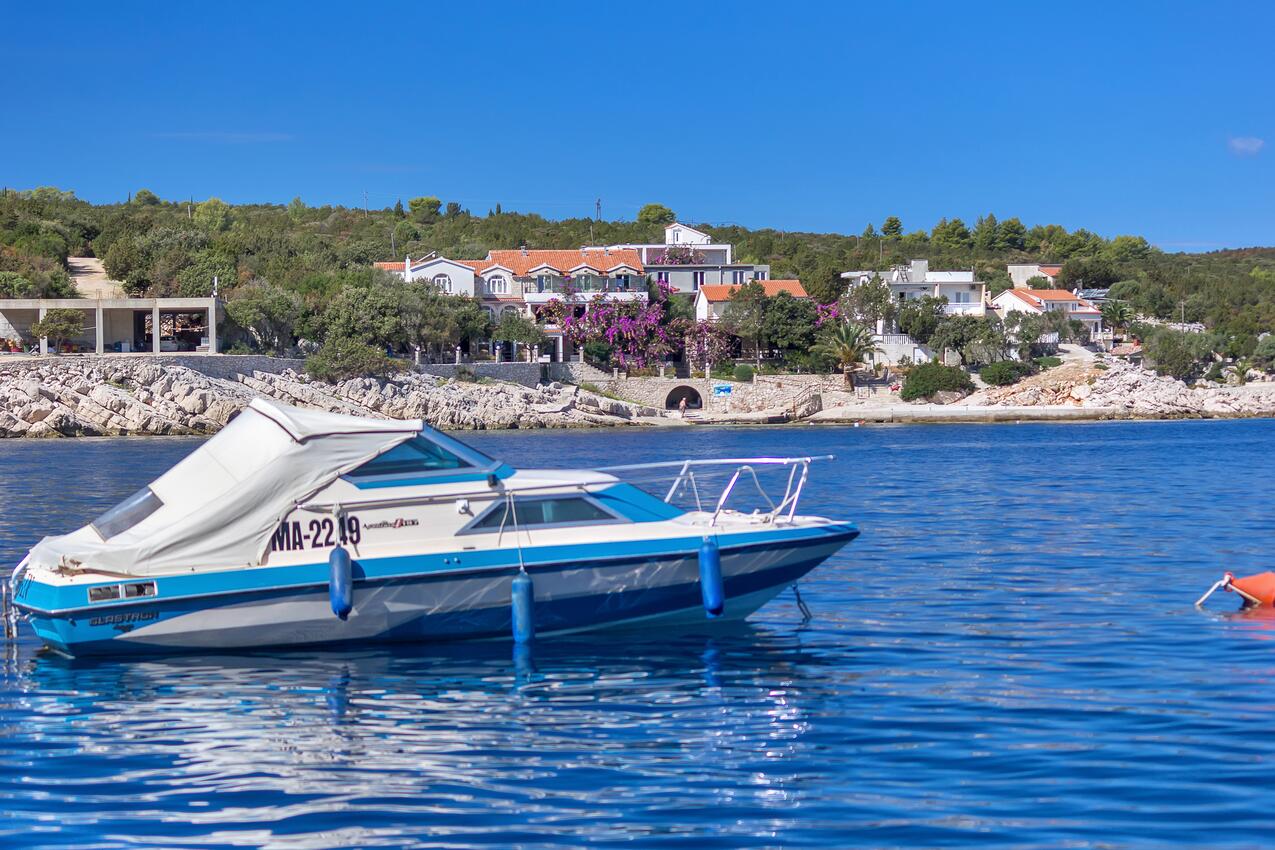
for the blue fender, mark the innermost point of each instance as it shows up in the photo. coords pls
(523, 608)
(710, 578)
(340, 582)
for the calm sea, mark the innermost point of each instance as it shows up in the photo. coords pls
(1008, 657)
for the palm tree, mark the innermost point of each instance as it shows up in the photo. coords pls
(1118, 314)
(848, 343)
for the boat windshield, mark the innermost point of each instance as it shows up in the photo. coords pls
(423, 455)
(564, 510)
(127, 514)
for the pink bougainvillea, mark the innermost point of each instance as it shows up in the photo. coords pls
(706, 343)
(635, 331)
(826, 313)
(679, 255)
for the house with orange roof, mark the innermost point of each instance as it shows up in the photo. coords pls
(1038, 301)
(711, 300)
(688, 259)
(1022, 273)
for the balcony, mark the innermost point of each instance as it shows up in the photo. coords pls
(966, 308)
(581, 295)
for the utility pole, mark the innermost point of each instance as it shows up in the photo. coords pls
(365, 213)
(190, 208)
(393, 247)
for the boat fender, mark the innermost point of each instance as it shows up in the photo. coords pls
(522, 607)
(711, 587)
(340, 582)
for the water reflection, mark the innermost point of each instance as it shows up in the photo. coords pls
(460, 732)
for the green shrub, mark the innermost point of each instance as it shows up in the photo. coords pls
(1264, 352)
(929, 378)
(342, 357)
(597, 353)
(1048, 362)
(743, 372)
(1005, 372)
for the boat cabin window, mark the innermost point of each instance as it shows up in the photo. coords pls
(414, 456)
(127, 514)
(567, 510)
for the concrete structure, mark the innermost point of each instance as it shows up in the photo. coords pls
(689, 259)
(122, 324)
(711, 301)
(1037, 301)
(1022, 273)
(965, 295)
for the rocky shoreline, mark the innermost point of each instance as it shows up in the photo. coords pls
(96, 397)
(1127, 391)
(82, 397)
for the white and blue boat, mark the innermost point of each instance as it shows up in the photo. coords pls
(294, 527)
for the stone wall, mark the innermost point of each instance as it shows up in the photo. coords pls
(526, 374)
(577, 372)
(764, 392)
(225, 367)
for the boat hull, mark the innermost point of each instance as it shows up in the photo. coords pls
(570, 596)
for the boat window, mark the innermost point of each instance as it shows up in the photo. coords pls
(569, 510)
(140, 588)
(127, 514)
(104, 593)
(415, 455)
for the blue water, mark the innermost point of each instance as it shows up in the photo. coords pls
(1008, 657)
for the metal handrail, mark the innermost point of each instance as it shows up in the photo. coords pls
(685, 477)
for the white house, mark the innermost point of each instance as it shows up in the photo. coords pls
(1022, 273)
(450, 276)
(711, 301)
(689, 259)
(1037, 301)
(964, 294)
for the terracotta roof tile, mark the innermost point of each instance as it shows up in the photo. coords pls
(602, 260)
(723, 291)
(390, 265)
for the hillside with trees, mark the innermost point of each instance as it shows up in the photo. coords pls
(295, 270)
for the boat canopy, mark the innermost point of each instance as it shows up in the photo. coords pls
(220, 506)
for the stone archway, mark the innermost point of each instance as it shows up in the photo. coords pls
(693, 399)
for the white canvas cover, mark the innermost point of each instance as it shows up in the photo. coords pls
(222, 504)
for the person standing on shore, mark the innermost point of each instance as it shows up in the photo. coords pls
(681, 407)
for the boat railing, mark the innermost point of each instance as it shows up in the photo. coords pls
(746, 468)
(686, 481)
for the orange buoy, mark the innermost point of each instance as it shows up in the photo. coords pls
(1257, 589)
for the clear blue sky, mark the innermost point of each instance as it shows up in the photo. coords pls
(1123, 117)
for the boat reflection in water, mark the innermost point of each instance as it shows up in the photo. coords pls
(293, 527)
(356, 747)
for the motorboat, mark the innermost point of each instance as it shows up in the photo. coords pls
(295, 527)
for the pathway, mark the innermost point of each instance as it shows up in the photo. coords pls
(89, 276)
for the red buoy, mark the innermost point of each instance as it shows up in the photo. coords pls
(1256, 589)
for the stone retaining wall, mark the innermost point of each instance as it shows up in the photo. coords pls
(765, 392)
(526, 374)
(225, 367)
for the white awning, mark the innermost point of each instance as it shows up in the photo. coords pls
(222, 503)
